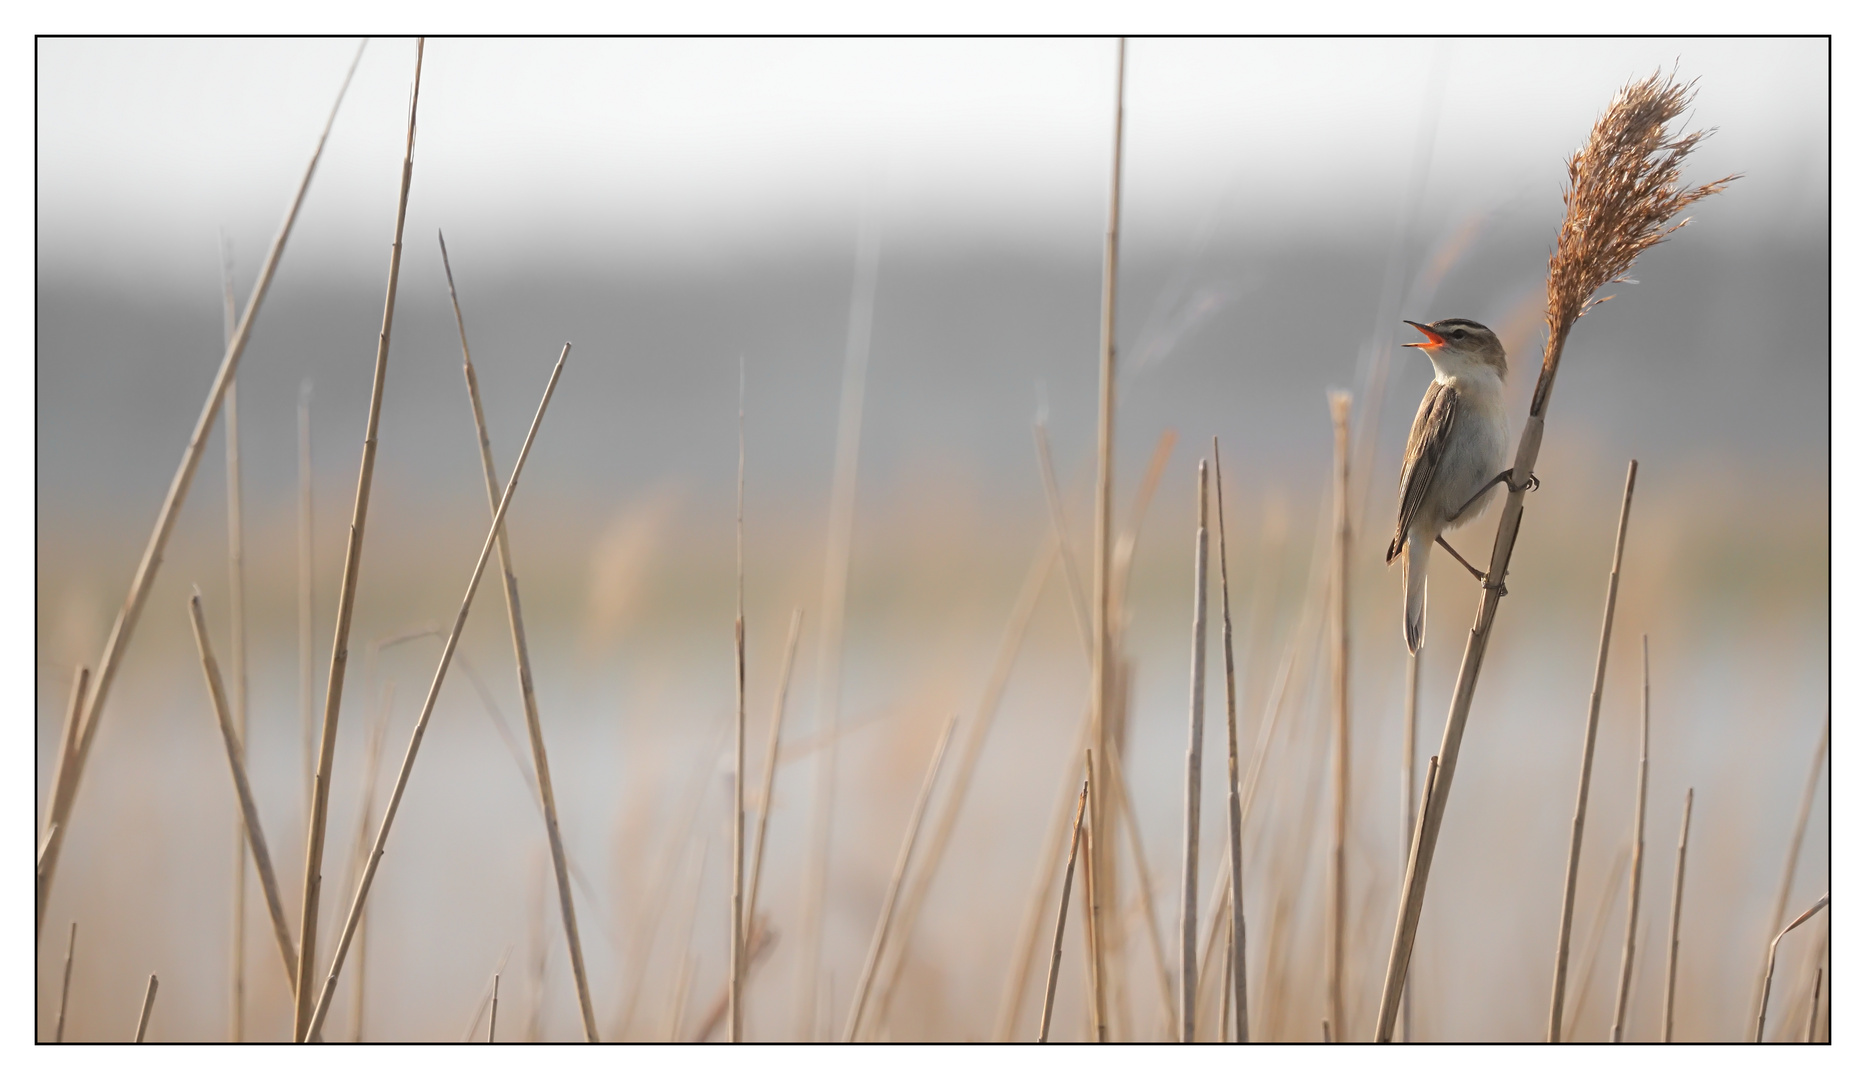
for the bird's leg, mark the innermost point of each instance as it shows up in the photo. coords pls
(1501, 478)
(1475, 572)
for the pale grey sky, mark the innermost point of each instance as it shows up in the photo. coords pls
(612, 148)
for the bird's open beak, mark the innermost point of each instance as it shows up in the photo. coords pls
(1434, 338)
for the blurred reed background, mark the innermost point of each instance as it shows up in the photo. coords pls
(674, 206)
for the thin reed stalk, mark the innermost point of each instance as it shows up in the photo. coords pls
(1596, 936)
(249, 811)
(1587, 762)
(1639, 841)
(1195, 760)
(346, 598)
(1678, 899)
(886, 921)
(1235, 956)
(1102, 664)
(66, 792)
(1409, 755)
(65, 762)
(427, 711)
(759, 943)
(1062, 916)
(1802, 813)
(1011, 999)
(307, 693)
(1339, 404)
(1768, 972)
(1211, 961)
(771, 759)
(236, 657)
(836, 556)
(479, 1009)
(521, 651)
(1623, 190)
(1144, 887)
(142, 1019)
(1091, 904)
(735, 982)
(1814, 1006)
(372, 762)
(64, 986)
(492, 1018)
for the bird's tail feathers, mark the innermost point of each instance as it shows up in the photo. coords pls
(1412, 566)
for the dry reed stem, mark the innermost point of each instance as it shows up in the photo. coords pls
(759, 943)
(736, 981)
(1409, 754)
(521, 651)
(1768, 972)
(372, 762)
(1236, 955)
(1623, 190)
(1062, 915)
(346, 597)
(1011, 999)
(142, 1020)
(1144, 887)
(1780, 909)
(771, 758)
(1678, 899)
(307, 694)
(64, 991)
(249, 810)
(479, 1009)
(1596, 935)
(1639, 841)
(63, 764)
(1339, 403)
(1102, 660)
(1210, 961)
(885, 923)
(492, 1018)
(427, 710)
(1091, 904)
(66, 792)
(1195, 759)
(1587, 762)
(836, 555)
(236, 658)
(1814, 1006)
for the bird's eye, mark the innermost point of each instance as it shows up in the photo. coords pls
(1457, 335)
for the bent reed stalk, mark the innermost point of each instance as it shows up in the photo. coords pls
(65, 793)
(346, 598)
(1062, 915)
(1623, 191)
(1562, 937)
(1768, 972)
(427, 711)
(521, 651)
(249, 811)
(1233, 803)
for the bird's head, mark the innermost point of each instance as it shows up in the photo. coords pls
(1459, 345)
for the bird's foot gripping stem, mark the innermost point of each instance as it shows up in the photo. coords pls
(1482, 578)
(1533, 483)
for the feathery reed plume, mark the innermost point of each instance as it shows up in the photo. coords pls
(1678, 900)
(1102, 672)
(1011, 999)
(1195, 760)
(1587, 762)
(1768, 971)
(1233, 802)
(886, 921)
(1639, 840)
(427, 711)
(1409, 755)
(1062, 915)
(771, 758)
(836, 555)
(64, 987)
(236, 657)
(249, 811)
(1780, 909)
(346, 598)
(307, 674)
(521, 651)
(142, 1020)
(492, 1018)
(1339, 404)
(735, 983)
(66, 792)
(1623, 190)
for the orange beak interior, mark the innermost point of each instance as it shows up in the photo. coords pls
(1433, 338)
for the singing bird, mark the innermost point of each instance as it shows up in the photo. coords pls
(1455, 455)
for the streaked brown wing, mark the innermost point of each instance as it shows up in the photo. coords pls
(1431, 431)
